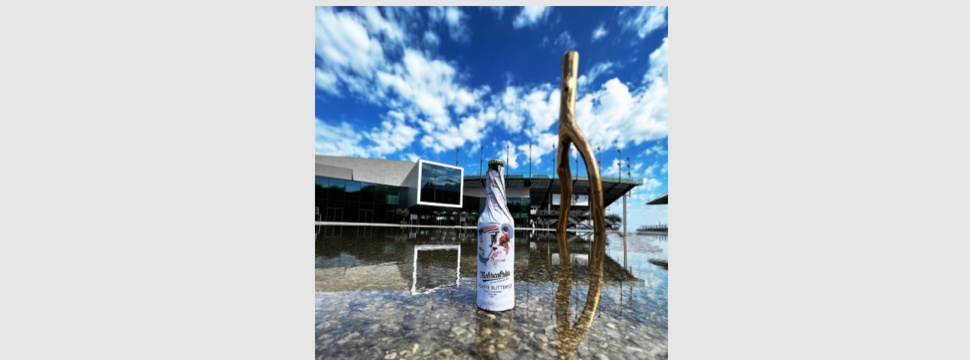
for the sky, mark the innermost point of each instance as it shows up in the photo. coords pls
(460, 84)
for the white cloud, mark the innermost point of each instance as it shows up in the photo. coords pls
(533, 110)
(376, 24)
(344, 42)
(664, 169)
(599, 33)
(656, 149)
(530, 16)
(644, 20)
(508, 112)
(443, 139)
(510, 154)
(650, 184)
(390, 137)
(614, 116)
(658, 64)
(539, 150)
(343, 140)
(542, 107)
(328, 82)
(472, 128)
(338, 140)
(423, 90)
(612, 168)
(412, 157)
(454, 18)
(596, 71)
(430, 87)
(546, 145)
(565, 42)
(431, 39)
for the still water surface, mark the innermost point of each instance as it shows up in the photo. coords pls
(388, 293)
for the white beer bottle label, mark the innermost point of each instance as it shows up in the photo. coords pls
(496, 246)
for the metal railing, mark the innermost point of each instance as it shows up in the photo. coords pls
(606, 180)
(658, 227)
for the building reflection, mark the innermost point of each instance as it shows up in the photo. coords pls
(435, 267)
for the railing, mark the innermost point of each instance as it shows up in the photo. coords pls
(658, 227)
(605, 180)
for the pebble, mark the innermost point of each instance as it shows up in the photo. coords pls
(391, 356)
(506, 355)
(444, 353)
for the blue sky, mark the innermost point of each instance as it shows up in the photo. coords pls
(422, 82)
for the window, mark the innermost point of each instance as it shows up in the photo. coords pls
(439, 184)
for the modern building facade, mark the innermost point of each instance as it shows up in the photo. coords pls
(375, 191)
(391, 191)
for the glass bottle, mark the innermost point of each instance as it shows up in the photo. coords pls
(496, 245)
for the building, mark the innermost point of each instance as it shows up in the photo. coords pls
(662, 200)
(392, 191)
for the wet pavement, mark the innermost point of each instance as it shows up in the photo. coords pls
(407, 293)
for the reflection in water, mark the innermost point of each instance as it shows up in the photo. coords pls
(366, 308)
(570, 336)
(426, 263)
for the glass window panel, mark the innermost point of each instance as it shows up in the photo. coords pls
(353, 191)
(367, 193)
(336, 189)
(322, 188)
(440, 184)
(380, 191)
(428, 182)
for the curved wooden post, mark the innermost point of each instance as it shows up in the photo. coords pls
(569, 133)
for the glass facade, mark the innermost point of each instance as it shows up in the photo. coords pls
(519, 207)
(440, 185)
(356, 201)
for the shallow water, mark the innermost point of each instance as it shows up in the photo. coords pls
(406, 293)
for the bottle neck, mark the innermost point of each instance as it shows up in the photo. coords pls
(496, 202)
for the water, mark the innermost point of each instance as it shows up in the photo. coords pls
(376, 299)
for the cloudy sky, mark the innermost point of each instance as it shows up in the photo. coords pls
(447, 84)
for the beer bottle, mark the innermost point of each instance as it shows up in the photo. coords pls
(496, 245)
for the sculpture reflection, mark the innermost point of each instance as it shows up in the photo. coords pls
(570, 335)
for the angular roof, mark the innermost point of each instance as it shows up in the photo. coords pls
(662, 200)
(375, 171)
